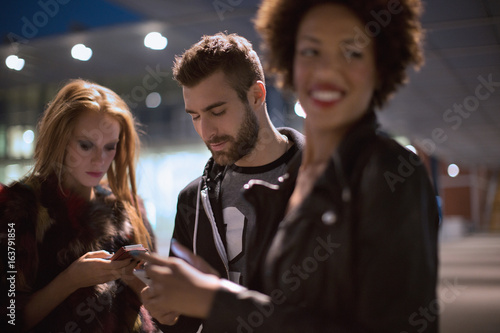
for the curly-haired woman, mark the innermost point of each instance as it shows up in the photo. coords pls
(356, 245)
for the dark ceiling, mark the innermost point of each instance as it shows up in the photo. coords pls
(451, 108)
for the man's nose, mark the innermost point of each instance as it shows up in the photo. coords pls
(208, 129)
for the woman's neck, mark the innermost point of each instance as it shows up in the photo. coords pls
(85, 192)
(320, 146)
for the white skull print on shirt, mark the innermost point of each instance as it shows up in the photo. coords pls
(238, 215)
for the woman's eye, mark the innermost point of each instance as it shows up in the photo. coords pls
(308, 52)
(85, 145)
(350, 53)
(111, 148)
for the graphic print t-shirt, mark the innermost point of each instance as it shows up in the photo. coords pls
(238, 215)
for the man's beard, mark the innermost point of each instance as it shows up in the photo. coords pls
(243, 144)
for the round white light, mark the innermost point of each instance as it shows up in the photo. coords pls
(14, 62)
(453, 170)
(155, 41)
(28, 136)
(411, 148)
(81, 52)
(299, 111)
(153, 100)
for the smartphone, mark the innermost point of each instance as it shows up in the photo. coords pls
(123, 252)
(141, 275)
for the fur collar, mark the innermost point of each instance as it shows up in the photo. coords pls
(53, 229)
(57, 227)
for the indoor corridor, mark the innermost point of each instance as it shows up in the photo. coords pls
(469, 291)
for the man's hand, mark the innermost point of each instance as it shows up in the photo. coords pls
(158, 311)
(196, 261)
(176, 286)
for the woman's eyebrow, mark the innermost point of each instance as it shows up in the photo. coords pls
(309, 38)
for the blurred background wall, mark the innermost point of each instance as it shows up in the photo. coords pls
(449, 112)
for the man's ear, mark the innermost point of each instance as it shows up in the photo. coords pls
(257, 93)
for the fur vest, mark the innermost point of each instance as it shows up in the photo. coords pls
(52, 230)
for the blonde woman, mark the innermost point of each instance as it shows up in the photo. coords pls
(66, 222)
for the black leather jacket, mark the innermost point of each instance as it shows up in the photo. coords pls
(358, 255)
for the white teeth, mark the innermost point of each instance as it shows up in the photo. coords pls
(326, 96)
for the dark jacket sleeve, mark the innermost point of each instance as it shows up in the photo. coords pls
(183, 233)
(251, 311)
(186, 214)
(396, 252)
(394, 262)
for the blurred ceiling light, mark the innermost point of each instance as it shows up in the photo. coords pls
(155, 41)
(453, 170)
(153, 100)
(299, 111)
(412, 148)
(28, 136)
(14, 62)
(81, 52)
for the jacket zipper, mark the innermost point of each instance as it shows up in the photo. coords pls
(215, 231)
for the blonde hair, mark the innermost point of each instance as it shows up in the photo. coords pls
(55, 130)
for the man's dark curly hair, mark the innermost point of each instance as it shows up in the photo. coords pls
(397, 41)
(229, 53)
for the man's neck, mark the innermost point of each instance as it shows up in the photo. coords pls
(270, 146)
